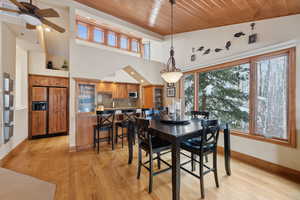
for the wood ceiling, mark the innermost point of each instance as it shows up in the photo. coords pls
(193, 14)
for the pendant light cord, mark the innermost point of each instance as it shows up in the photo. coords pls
(172, 24)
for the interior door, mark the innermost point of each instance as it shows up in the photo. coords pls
(39, 117)
(58, 110)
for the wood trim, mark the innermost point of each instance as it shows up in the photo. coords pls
(291, 52)
(261, 138)
(17, 150)
(145, 86)
(95, 81)
(279, 170)
(92, 25)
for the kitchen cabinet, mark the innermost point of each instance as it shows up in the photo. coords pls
(105, 87)
(57, 110)
(119, 91)
(132, 88)
(153, 96)
(48, 105)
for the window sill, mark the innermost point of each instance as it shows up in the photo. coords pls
(287, 143)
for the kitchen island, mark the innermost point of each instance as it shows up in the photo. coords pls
(92, 95)
(85, 122)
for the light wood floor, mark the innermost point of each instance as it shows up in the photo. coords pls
(107, 176)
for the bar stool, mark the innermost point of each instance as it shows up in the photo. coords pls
(128, 115)
(105, 122)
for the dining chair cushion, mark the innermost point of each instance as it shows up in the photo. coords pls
(157, 144)
(194, 146)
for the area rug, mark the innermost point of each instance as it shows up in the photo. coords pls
(15, 186)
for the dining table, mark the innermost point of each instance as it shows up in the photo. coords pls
(175, 131)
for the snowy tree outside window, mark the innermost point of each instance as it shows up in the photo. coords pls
(253, 97)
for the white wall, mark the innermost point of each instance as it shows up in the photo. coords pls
(21, 78)
(273, 34)
(37, 65)
(9, 53)
(120, 76)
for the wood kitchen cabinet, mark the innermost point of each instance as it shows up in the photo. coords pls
(153, 96)
(48, 105)
(119, 91)
(133, 88)
(58, 110)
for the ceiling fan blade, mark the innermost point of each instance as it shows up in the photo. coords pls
(47, 13)
(52, 25)
(18, 4)
(9, 10)
(31, 27)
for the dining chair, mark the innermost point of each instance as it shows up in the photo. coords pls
(207, 145)
(151, 145)
(128, 115)
(147, 112)
(105, 122)
(200, 114)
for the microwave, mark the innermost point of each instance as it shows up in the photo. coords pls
(133, 94)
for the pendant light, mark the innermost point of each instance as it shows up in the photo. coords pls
(171, 74)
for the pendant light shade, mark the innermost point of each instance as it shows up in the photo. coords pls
(171, 77)
(171, 74)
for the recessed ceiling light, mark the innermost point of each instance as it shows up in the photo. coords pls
(47, 29)
(142, 81)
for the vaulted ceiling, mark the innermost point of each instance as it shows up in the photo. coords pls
(192, 15)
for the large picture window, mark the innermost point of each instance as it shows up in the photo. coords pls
(189, 95)
(255, 96)
(225, 93)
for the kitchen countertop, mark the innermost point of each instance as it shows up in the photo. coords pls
(124, 108)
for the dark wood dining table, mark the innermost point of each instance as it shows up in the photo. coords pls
(175, 134)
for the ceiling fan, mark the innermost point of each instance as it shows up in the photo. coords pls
(33, 16)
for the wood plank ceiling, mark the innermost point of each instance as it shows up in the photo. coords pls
(192, 15)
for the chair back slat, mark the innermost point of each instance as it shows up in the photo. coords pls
(200, 114)
(105, 118)
(129, 115)
(144, 135)
(210, 134)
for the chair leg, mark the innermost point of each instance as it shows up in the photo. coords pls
(98, 141)
(117, 130)
(158, 160)
(139, 163)
(150, 172)
(193, 162)
(201, 177)
(109, 135)
(206, 158)
(122, 137)
(94, 137)
(215, 168)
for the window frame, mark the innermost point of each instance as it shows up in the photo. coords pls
(93, 34)
(92, 26)
(291, 107)
(88, 30)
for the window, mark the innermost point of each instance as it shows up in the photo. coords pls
(225, 93)
(82, 31)
(256, 96)
(189, 95)
(89, 31)
(112, 39)
(135, 45)
(124, 42)
(271, 99)
(98, 35)
(146, 51)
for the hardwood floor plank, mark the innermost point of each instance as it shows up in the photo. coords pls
(107, 176)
